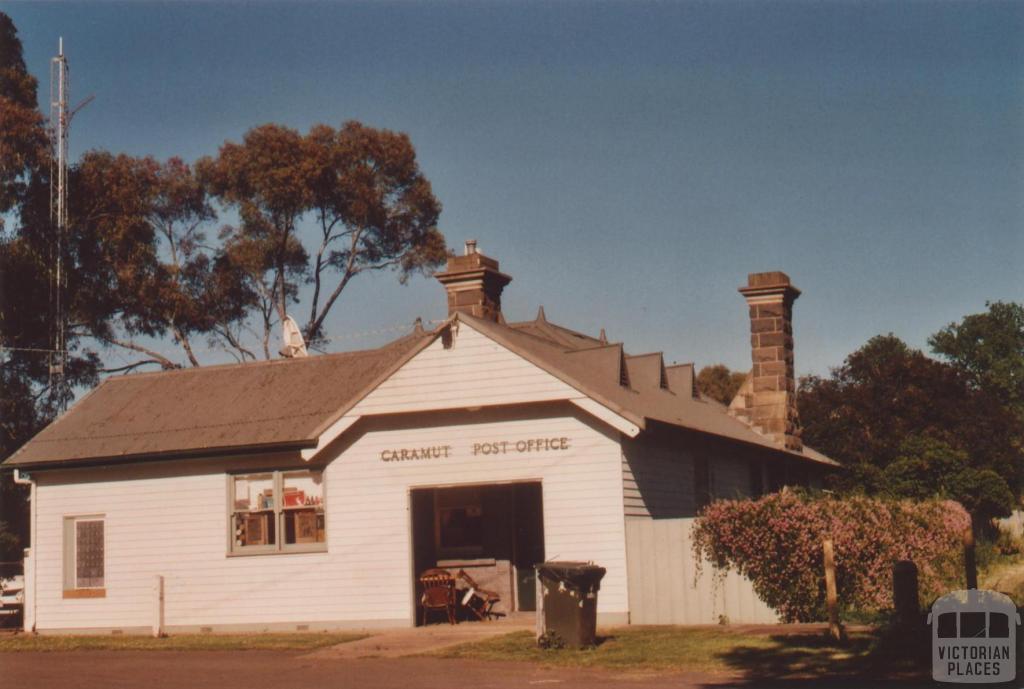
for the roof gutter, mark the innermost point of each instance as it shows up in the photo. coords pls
(116, 460)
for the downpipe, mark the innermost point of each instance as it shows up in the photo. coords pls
(24, 479)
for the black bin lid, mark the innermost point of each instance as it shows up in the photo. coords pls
(580, 574)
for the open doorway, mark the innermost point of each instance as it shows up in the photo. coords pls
(495, 532)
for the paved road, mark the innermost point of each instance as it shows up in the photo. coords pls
(288, 670)
(299, 670)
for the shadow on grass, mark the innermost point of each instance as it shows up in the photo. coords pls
(881, 657)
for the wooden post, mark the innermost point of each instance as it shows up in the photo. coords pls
(970, 564)
(158, 606)
(831, 599)
(539, 592)
(28, 592)
(905, 593)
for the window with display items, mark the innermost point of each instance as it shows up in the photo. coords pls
(277, 511)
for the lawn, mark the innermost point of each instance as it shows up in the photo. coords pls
(176, 642)
(761, 653)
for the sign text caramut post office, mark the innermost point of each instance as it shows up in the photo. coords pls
(496, 447)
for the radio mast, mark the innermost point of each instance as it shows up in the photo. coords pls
(60, 122)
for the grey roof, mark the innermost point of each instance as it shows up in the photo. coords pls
(599, 375)
(288, 403)
(281, 403)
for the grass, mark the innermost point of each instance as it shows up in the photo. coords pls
(761, 654)
(177, 642)
(1005, 574)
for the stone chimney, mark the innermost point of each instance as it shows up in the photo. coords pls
(771, 394)
(474, 284)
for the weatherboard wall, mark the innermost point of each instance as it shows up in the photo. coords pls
(170, 518)
(473, 371)
(157, 522)
(667, 583)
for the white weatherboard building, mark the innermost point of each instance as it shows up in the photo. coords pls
(308, 493)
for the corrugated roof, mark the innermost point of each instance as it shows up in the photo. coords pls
(289, 402)
(215, 408)
(598, 378)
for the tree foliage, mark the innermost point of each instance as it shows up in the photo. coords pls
(776, 541)
(719, 383)
(143, 266)
(890, 411)
(146, 265)
(989, 349)
(23, 152)
(373, 208)
(23, 142)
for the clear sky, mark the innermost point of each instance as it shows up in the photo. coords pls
(628, 163)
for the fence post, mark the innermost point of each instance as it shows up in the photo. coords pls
(970, 563)
(831, 598)
(539, 606)
(904, 592)
(158, 606)
(28, 591)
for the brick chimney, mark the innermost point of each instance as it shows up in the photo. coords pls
(771, 395)
(474, 284)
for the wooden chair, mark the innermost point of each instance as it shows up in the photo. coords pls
(438, 593)
(480, 601)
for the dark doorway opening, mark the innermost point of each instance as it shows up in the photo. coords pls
(495, 532)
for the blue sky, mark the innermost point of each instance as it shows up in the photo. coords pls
(628, 163)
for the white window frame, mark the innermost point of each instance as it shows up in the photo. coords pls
(279, 547)
(71, 586)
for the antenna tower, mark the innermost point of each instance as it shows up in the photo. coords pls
(60, 127)
(59, 121)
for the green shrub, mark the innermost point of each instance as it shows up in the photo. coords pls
(776, 541)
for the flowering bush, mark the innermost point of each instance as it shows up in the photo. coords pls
(776, 542)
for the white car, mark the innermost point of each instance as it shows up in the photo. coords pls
(12, 595)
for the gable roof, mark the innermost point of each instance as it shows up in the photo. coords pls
(273, 404)
(288, 403)
(600, 380)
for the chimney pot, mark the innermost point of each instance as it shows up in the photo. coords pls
(470, 247)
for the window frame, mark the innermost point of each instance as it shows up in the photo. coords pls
(71, 589)
(279, 547)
